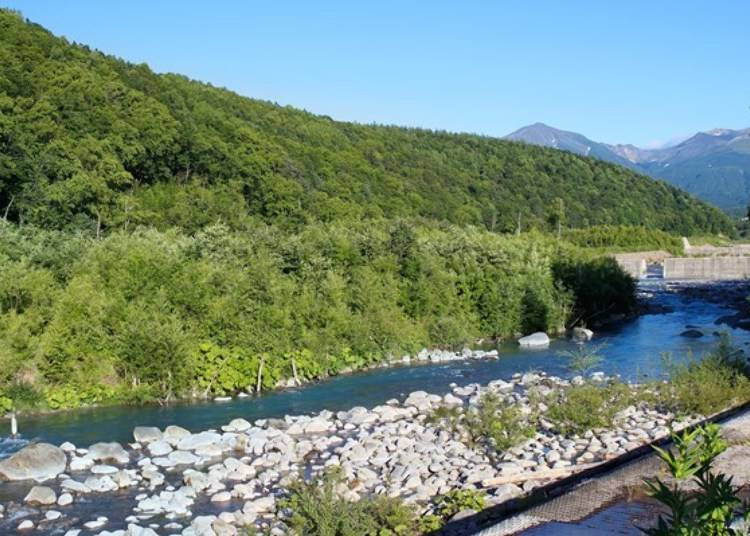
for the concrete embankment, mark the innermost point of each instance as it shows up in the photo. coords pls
(706, 263)
(707, 268)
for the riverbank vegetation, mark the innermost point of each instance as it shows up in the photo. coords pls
(164, 238)
(688, 388)
(146, 314)
(625, 238)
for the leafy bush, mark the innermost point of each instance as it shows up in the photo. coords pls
(599, 285)
(708, 511)
(584, 407)
(708, 385)
(614, 238)
(6, 404)
(453, 502)
(583, 358)
(492, 423)
(317, 509)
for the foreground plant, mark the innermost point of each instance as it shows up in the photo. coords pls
(707, 512)
(318, 508)
(580, 408)
(458, 500)
(583, 359)
(493, 423)
(703, 387)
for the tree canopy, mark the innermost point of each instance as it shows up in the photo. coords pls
(91, 141)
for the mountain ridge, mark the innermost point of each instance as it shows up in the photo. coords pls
(713, 165)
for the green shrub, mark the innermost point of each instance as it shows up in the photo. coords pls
(492, 423)
(708, 385)
(614, 238)
(317, 509)
(579, 408)
(453, 502)
(707, 512)
(6, 404)
(583, 359)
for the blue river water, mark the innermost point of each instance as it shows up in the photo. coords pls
(632, 349)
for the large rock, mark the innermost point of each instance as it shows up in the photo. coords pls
(199, 440)
(692, 333)
(535, 340)
(41, 495)
(173, 434)
(147, 434)
(582, 334)
(159, 448)
(108, 452)
(35, 462)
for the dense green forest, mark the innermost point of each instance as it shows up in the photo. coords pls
(157, 314)
(88, 141)
(160, 237)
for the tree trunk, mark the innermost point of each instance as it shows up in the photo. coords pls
(260, 376)
(7, 208)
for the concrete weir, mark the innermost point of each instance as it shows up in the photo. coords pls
(707, 268)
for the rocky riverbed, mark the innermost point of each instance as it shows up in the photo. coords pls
(172, 481)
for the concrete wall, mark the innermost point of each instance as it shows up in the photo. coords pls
(635, 267)
(708, 268)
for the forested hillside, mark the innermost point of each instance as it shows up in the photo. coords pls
(88, 141)
(163, 238)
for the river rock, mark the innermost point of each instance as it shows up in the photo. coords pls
(181, 457)
(173, 434)
(34, 462)
(135, 530)
(65, 499)
(535, 340)
(108, 452)
(100, 484)
(41, 495)
(26, 524)
(260, 505)
(159, 448)
(52, 515)
(317, 425)
(74, 485)
(81, 463)
(199, 440)
(104, 469)
(507, 492)
(147, 434)
(237, 425)
(223, 528)
(692, 333)
(582, 334)
(221, 497)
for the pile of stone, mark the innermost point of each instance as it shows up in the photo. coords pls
(174, 477)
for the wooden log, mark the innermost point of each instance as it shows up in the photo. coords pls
(548, 474)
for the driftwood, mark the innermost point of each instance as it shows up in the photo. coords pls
(548, 474)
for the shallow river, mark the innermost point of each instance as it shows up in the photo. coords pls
(632, 349)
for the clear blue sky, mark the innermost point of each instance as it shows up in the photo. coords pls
(618, 71)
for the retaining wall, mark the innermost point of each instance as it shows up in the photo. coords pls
(635, 267)
(708, 268)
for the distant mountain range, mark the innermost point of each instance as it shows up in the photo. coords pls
(713, 165)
